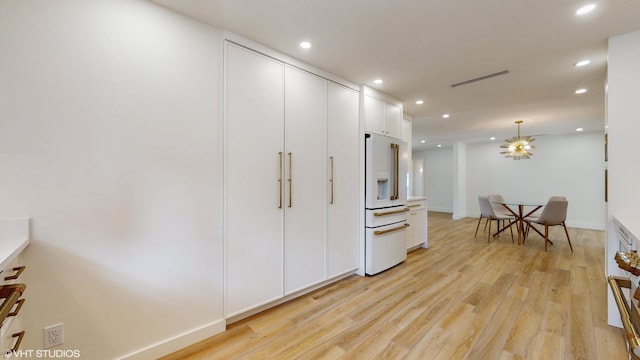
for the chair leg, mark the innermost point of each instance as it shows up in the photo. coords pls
(567, 232)
(511, 229)
(477, 226)
(489, 233)
(546, 236)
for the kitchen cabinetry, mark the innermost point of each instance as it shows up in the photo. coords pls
(381, 116)
(343, 192)
(11, 290)
(417, 219)
(14, 238)
(623, 165)
(291, 190)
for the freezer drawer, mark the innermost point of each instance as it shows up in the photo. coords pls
(385, 216)
(385, 247)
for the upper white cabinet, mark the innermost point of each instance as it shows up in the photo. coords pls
(342, 186)
(291, 179)
(374, 112)
(254, 184)
(393, 120)
(381, 115)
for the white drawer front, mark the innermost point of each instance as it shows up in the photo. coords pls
(386, 216)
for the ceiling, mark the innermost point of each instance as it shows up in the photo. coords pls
(420, 47)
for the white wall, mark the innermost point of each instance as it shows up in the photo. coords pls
(568, 165)
(110, 140)
(438, 178)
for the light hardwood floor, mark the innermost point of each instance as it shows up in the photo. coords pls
(462, 298)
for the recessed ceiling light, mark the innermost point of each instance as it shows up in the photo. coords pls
(423, 141)
(439, 145)
(581, 91)
(305, 45)
(419, 102)
(582, 62)
(378, 81)
(579, 129)
(585, 9)
(446, 116)
(492, 138)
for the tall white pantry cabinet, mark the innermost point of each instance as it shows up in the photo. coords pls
(291, 179)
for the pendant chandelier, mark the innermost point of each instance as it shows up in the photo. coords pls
(518, 147)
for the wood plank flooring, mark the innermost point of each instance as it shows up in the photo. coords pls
(462, 298)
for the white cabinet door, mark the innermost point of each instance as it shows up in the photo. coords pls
(411, 232)
(419, 226)
(417, 219)
(254, 118)
(382, 117)
(393, 121)
(374, 113)
(343, 191)
(305, 194)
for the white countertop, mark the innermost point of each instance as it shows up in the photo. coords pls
(416, 198)
(14, 238)
(9, 249)
(631, 223)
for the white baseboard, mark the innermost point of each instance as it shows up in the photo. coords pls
(438, 209)
(177, 342)
(585, 225)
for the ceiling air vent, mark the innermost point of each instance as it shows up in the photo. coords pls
(480, 78)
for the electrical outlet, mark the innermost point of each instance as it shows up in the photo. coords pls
(53, 335)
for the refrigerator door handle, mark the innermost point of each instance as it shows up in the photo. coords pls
(380, 232)
(396, 157)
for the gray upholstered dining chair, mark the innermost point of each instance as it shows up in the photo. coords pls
(554, 213)
(494, 199)
(538, 212)
(487, 212)
(498, 209)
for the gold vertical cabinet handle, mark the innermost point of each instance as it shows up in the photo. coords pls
(396, 158)
(331, 178)
(18, 307)
(19, 335)
(290, 180)
(18, 271)
(280, 181)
